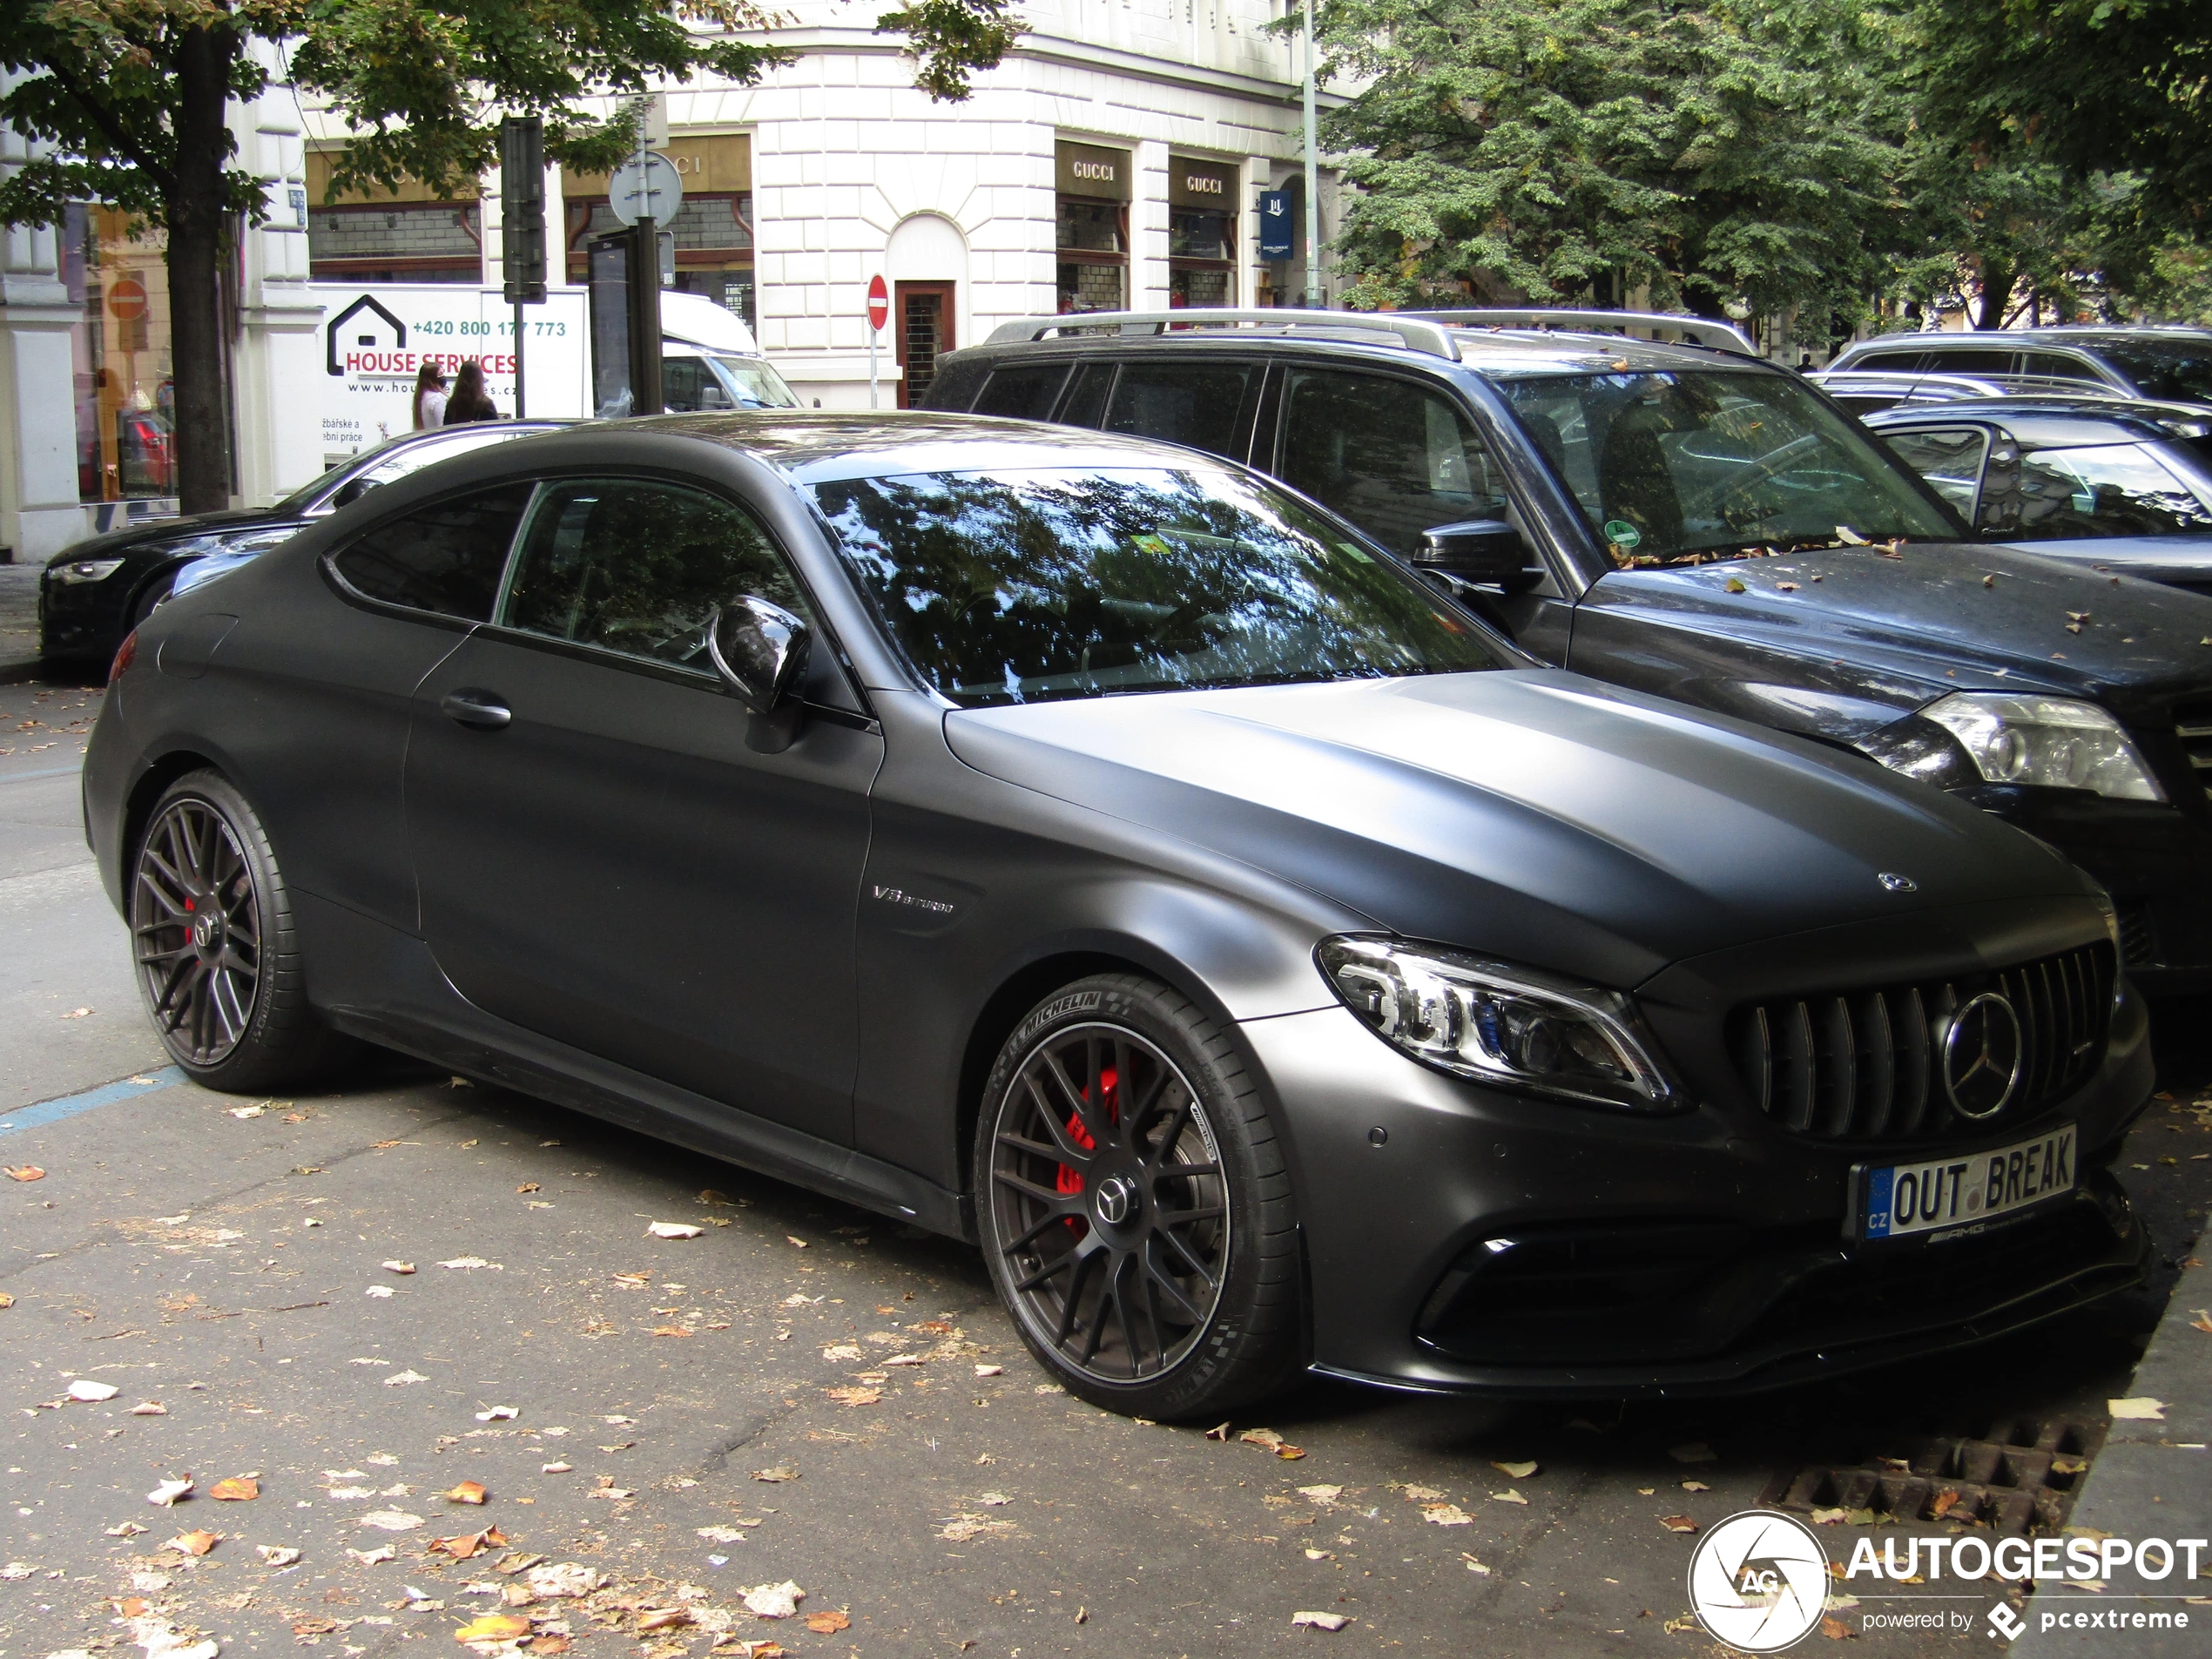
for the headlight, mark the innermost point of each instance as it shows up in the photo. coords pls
(2052, 741)
(1513, 1026)
(86, 571)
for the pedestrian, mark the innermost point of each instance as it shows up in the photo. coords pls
(429, 398)
(470, 402)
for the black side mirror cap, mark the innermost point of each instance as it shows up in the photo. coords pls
(351, 491)
(1476, 549)
(760, 651)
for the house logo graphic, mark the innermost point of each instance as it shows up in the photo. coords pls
(364, 344)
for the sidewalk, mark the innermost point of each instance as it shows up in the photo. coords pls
(2152, 1480)
(18, 623)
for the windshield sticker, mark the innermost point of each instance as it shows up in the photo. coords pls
(1620, 533)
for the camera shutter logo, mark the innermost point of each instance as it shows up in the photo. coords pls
(1758, 1581)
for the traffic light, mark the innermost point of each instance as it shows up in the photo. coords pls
(521, 193)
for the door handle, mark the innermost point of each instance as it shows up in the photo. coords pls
(482, 710)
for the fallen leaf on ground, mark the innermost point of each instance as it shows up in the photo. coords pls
(463, 1545)
(1507, 1496)
(792, 1238)
(1945, 1502)
(841, 1352)
(1733, 585)
(1693, 1452)
(721, 1535)
(91, 1393)
(378, 1290)
(673, 1331)
(1415, 1494)
(277, 1555)
(564, 1579)
(1319, 1621)
(855, 1396)
(828, 1624)
(1325, 1496)
(399, 1267)
(990, 1371)
(468, 1264)
(632, 1281)
(993, 1500)
(400, 1379)
(247, 1111)
(390, 1520)
(1678, 1523)
(238, 1489)
(962, 1527)
(663, 1618)
(781, 1472)
(123, 1529)
(25, 1172)
(1518, 1471)
(314, 1627)
(6, 1300)
(74, 1013)
(1835, 1629)
(493, 1627)
(1272, 1442)
(1473, 1565)
(498, 1414)
(674, 1229)
(774, 1601)
(529, 1186)
(193, 1543)
(2139, 1408)
(1446, 1514)
(2204, 1320)
(467, 1492)
(370, 1557)
(556, 1469)
(551, 1642)
(169, 1491)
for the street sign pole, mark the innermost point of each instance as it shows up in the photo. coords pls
(1313, 298)
(879, 313)
(522, 188)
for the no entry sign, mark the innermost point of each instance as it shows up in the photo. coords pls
(878, 303)
(126, 298)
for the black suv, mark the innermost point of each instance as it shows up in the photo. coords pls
(1695, 522)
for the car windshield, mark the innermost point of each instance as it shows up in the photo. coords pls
(1034, 586)
(2175, 371)
(1683, 468)
(758, 386)
(394, 458)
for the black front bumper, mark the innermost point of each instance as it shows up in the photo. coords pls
(1706, 1253)
(2154, 860)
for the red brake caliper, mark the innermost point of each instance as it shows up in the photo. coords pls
(1068, 1181)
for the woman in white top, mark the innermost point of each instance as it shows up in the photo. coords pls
(429, 398)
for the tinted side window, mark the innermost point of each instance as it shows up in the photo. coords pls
(1025, 392)
(1949, 458)
(1392, 456)
(2057, 365)
(1969, 360)
(445, 559)
(1087, 403)
(2105, 489)
(1192, 403)
(685, 384)
(640, 567)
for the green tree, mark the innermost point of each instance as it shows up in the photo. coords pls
(1558, 150)
(127, 101)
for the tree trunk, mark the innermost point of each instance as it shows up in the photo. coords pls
(1996, 293)
(195, 213)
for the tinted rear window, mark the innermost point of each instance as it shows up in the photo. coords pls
(444, 559)
(1192, 403)
(1024, 393)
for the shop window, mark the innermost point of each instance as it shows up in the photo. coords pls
(406, 235)
(1202, 201)
(125, 374)
(1092, 236)
(712, 228)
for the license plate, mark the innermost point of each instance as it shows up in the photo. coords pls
(1951, 1197)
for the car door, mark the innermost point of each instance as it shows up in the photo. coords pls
(602, 859)
(1398, 457)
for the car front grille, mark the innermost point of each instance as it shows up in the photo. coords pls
(2193, 725)
(1868, 1065)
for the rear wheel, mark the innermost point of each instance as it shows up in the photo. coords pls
(218, 962)
(1135, 1206)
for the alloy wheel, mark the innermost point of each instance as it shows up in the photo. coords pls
(196, 928)
(1109, 1209)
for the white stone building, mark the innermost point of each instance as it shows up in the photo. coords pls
(1115, 158)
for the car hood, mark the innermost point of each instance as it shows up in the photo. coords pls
(1531, 812)
(161, 531)
(2186, 559)
(1943, 616)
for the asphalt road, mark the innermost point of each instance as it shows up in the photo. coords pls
(224, 1260)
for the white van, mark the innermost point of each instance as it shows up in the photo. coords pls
(709, 359)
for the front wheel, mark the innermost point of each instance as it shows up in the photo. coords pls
(218, 962)
(1135, 1205)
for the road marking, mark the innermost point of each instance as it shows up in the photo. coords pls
(44, 771)
(52, 1112)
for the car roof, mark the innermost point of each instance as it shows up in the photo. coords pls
(823, 446)
(2050, 421)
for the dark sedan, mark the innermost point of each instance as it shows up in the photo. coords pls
(2125, 486)
(1081, 845)
(94, 592)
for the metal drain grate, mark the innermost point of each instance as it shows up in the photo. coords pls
(2018, 1478)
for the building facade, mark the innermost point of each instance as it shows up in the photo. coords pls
(1116, 159)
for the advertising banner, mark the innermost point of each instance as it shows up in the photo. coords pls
(376, 338)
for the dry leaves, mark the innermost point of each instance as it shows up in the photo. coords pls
(774, 1601)
(169, 1491)
(193, 1543)
(1518, 1471)
(1446, 1514)
(1318, 1620)
(467, 1492)
(1678, 1523)
(828, 1624)
(2204, 1320)
(1271, 1441)
(1508, 1496)
(674, 1229)
(864, 1397)
(493, 1627)
(402, 1379)
(399, 1267)
(276, 1554)
(564, 1579)
(390, 1520)
(239, 1488)
(781, 1472)
(959, 1528)
(463, 1545)
(2140, 1408)
(92, 1393)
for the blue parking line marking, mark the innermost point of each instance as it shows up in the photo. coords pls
(52, 1112)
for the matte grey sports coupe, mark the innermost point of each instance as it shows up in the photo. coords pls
(1087, 847)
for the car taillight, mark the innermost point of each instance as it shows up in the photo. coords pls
(125, 654)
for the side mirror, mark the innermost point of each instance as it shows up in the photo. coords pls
(351, 491)
(760, 651)
(1477, 550)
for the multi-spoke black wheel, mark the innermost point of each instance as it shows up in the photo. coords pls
(1134, 1205)
(212, 931)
